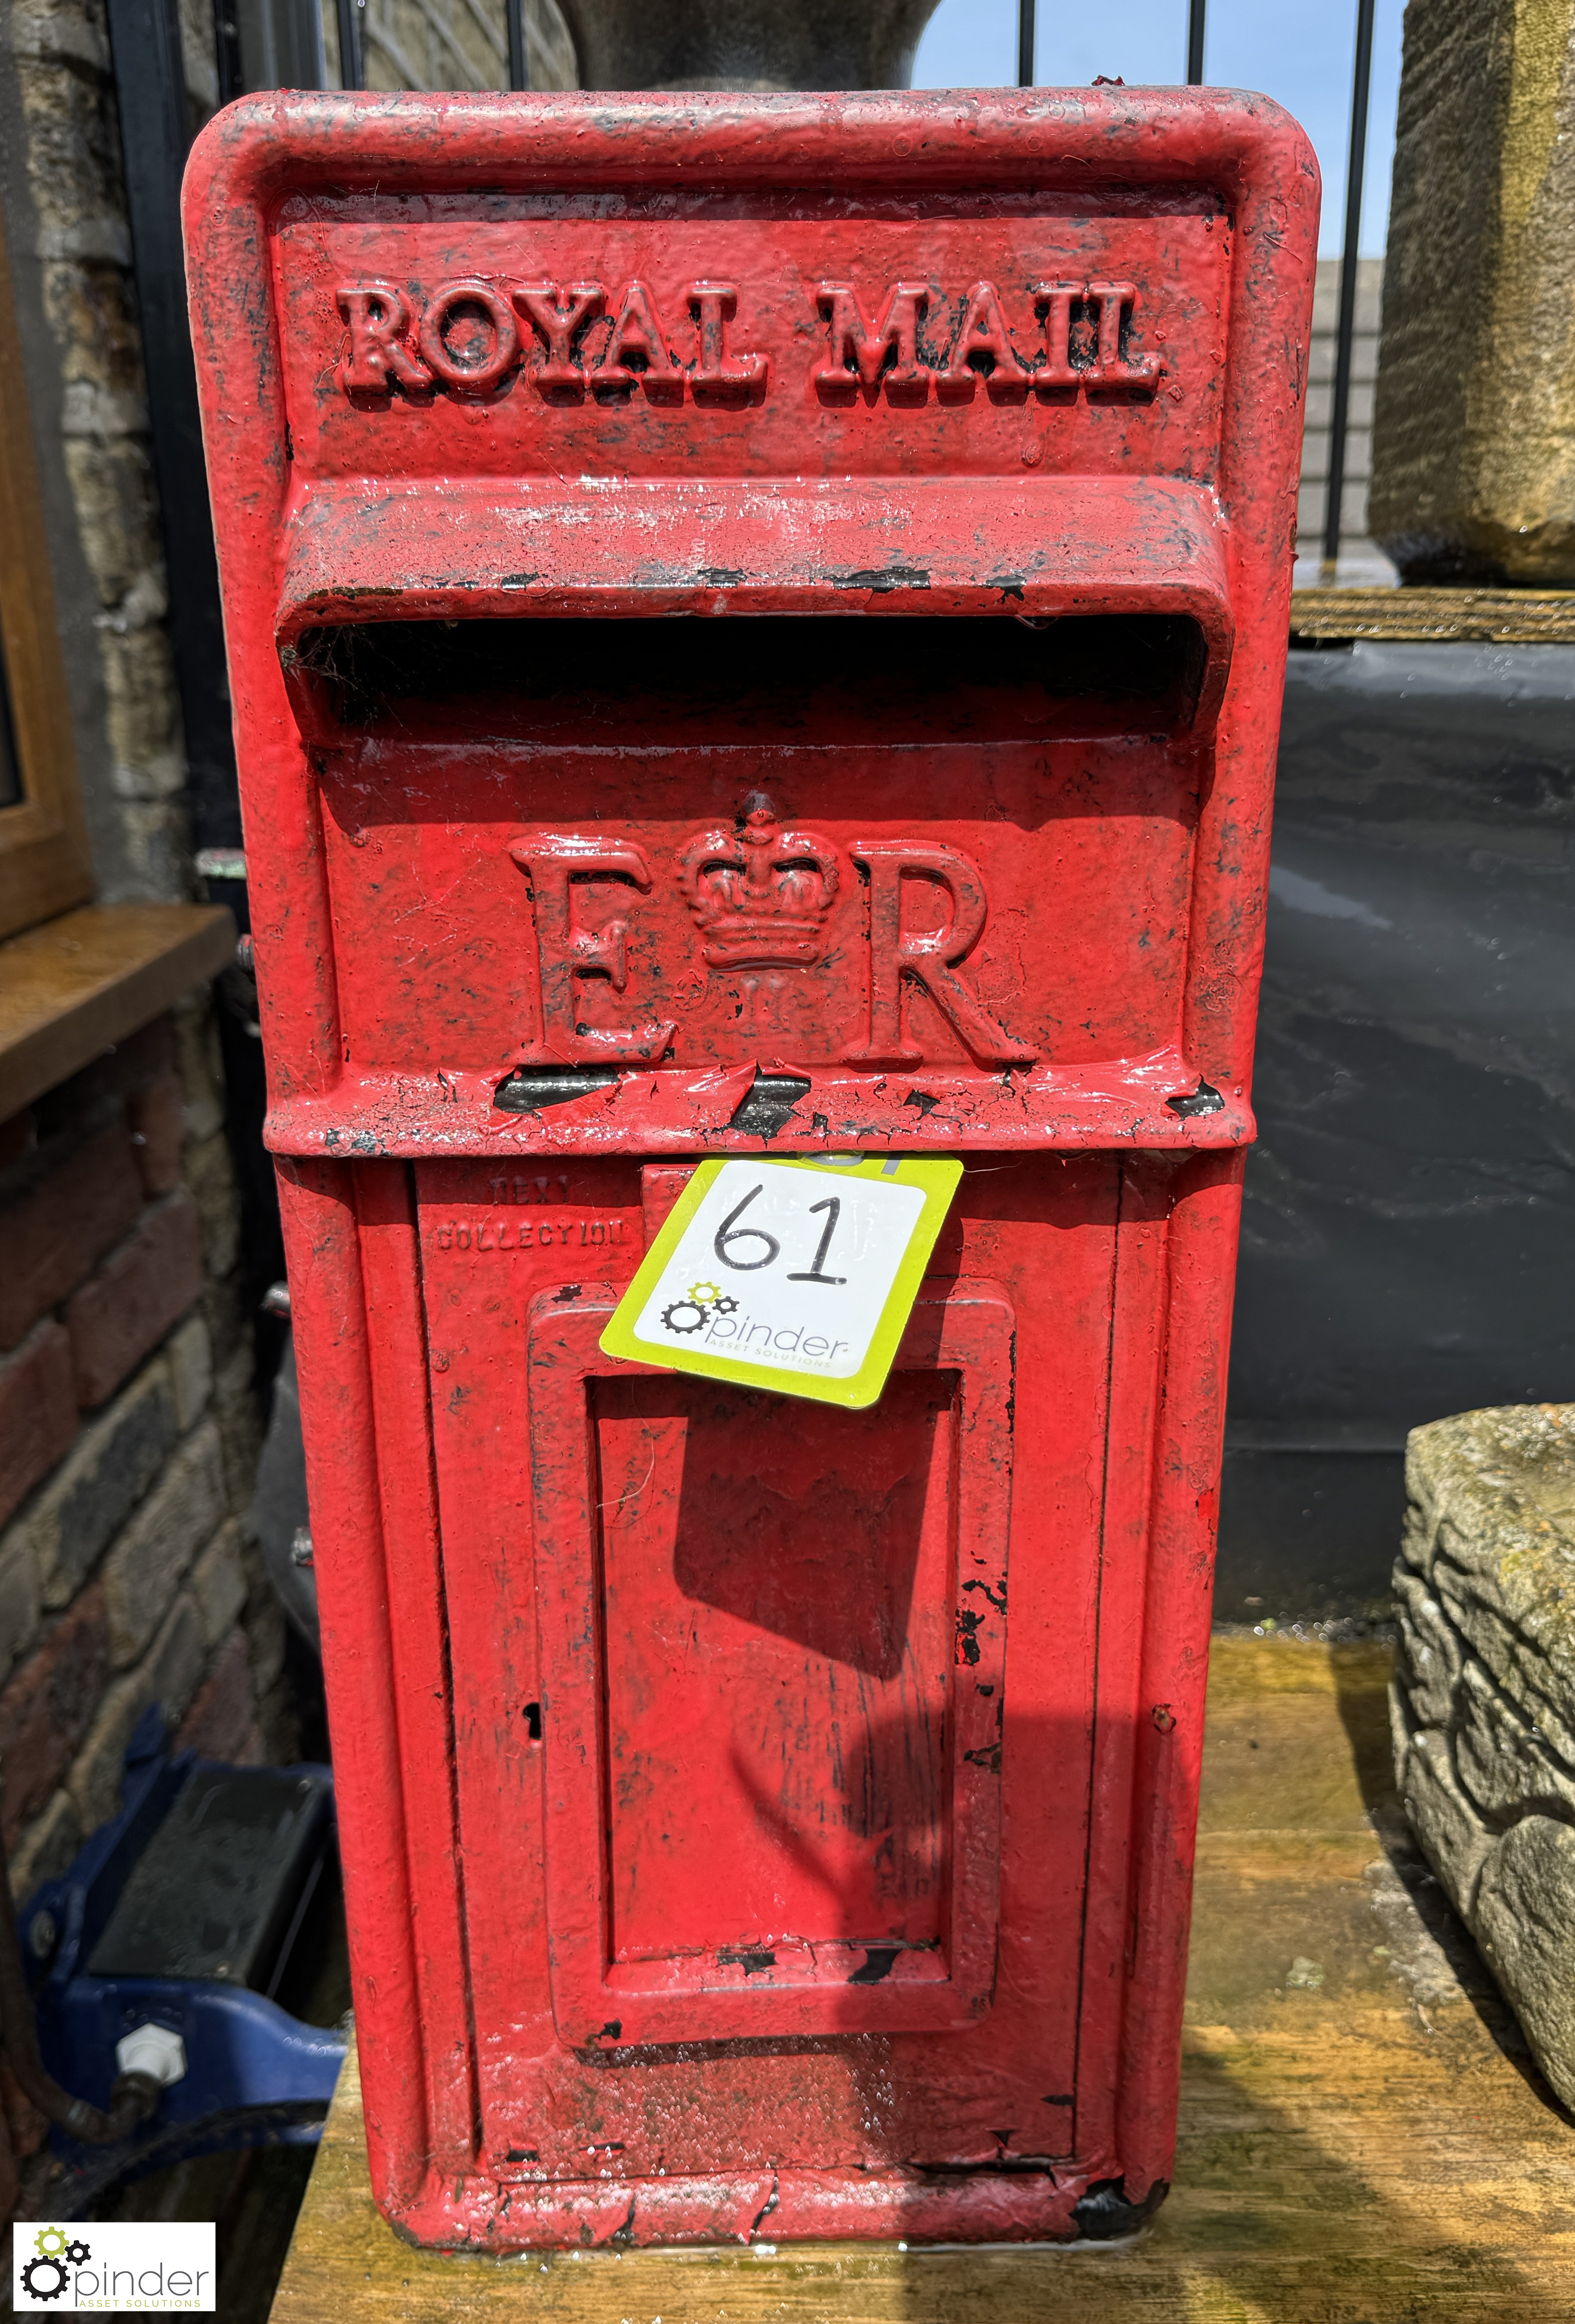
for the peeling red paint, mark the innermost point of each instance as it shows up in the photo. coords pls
(714, 1868)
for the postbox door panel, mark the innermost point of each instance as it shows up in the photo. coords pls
(773, 1726)
(628, 1673)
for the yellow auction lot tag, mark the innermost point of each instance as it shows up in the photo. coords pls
(793, 1275)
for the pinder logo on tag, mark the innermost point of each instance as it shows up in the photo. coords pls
(158, 2265)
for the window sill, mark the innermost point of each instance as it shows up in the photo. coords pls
(71, 988)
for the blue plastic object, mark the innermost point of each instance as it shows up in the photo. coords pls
(254, 2074)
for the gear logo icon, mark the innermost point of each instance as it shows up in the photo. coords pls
(48, 2274)
(37, 2274)
(704, 1295)
(726, 1306)
(675, 1318)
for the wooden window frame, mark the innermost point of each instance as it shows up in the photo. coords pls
(45, 867)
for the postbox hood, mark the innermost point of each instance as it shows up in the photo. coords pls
(609, 360)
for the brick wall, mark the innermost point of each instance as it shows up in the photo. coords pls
(128, 1444)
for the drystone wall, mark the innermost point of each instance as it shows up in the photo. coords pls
(1484, 1697)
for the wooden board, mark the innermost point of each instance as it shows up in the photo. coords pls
(90, 978)
(1535, 617)
(1364, 2139)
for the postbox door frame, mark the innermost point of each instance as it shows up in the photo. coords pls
(966, 1330)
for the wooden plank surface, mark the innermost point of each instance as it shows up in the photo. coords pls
(92, 977)
(1364, 2139)
(1437, 616)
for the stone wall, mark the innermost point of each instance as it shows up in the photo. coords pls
(69, 239)
(1484, 1697)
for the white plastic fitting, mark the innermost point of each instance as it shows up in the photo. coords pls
(154, 2051)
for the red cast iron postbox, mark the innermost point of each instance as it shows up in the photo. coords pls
(757, 627)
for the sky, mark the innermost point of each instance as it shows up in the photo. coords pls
(1298, 51)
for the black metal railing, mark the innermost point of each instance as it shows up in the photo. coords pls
(1345, 329)
(349, 16)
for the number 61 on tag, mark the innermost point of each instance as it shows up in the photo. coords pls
(795, 1276)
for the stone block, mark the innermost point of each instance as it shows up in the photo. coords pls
(1513, 1664)
(55, 1232)
(230, 1319)
(240, 1426)
(154, 1553)
(61, 34)
(94, 1490)
(1455, 1838)
(211, 1177)
(118, 514)
(143, 1287)
(38, 1413)
(218, 1583)
(169, 1675)
(1474, 435)
(20, 1600)
(46, 1707)
(267, 1627)
(1491, 1529)
(279, 1741)
(189, 1356)
(157, 1118)
(157, 841)
(200, 1067)
(46, 1848)
(1485, 1698)
(1504, 1765)
(1429, 1651)
(1524, 1921)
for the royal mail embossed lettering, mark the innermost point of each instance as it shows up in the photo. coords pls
(859, 354)
(472, 337)
(576, 340)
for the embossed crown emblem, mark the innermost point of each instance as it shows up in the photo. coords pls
(761, 894)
